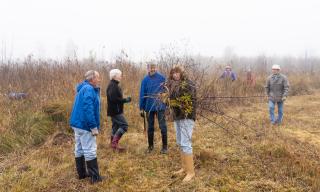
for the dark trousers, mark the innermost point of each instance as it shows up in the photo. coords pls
(119, 125)
(162, 125)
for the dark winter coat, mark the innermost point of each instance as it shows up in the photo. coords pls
(182, 96)
(115, 99)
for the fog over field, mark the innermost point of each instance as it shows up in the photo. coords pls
(58, 29)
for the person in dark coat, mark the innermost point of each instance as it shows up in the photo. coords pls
(182, 101)
(115, 109)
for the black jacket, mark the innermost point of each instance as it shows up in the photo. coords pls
(115, 99)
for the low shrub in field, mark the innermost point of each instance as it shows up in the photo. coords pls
(58, 111)
(28, 129)
(30, 126)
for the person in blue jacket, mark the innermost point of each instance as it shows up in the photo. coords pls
(151, 87)
(85, 121)
(228, 74)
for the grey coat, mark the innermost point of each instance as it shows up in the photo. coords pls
(277, 87)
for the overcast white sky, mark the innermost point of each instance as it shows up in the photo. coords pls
(48, 28)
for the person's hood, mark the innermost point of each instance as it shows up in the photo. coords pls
(80, 85)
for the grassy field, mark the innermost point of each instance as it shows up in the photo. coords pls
(238, 151)
(235, 157)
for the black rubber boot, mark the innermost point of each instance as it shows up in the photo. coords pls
(81, 167)
(150, 141)
(164, 149)
(150, 149)
(93, 171)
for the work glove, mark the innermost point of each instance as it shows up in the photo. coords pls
(142, 113)
(95, 131)
(127, 100)
(284, 98)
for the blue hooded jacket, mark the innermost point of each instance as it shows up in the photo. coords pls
(86, 108)
(229, 74)
(150, 87)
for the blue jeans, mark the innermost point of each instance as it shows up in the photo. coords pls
(162, 125)
(86, 144)
(272, 106)
(119, 125)
(184, 130)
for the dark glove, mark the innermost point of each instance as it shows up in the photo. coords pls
(142, 113)
(127, 100)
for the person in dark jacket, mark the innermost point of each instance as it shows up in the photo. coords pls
(85, 121)
(182, 95)
(115, 109)
(151, 86)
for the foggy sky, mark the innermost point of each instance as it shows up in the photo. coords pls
(54, 28)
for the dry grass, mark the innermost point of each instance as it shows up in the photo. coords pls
(281, 161)
(36, 143)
